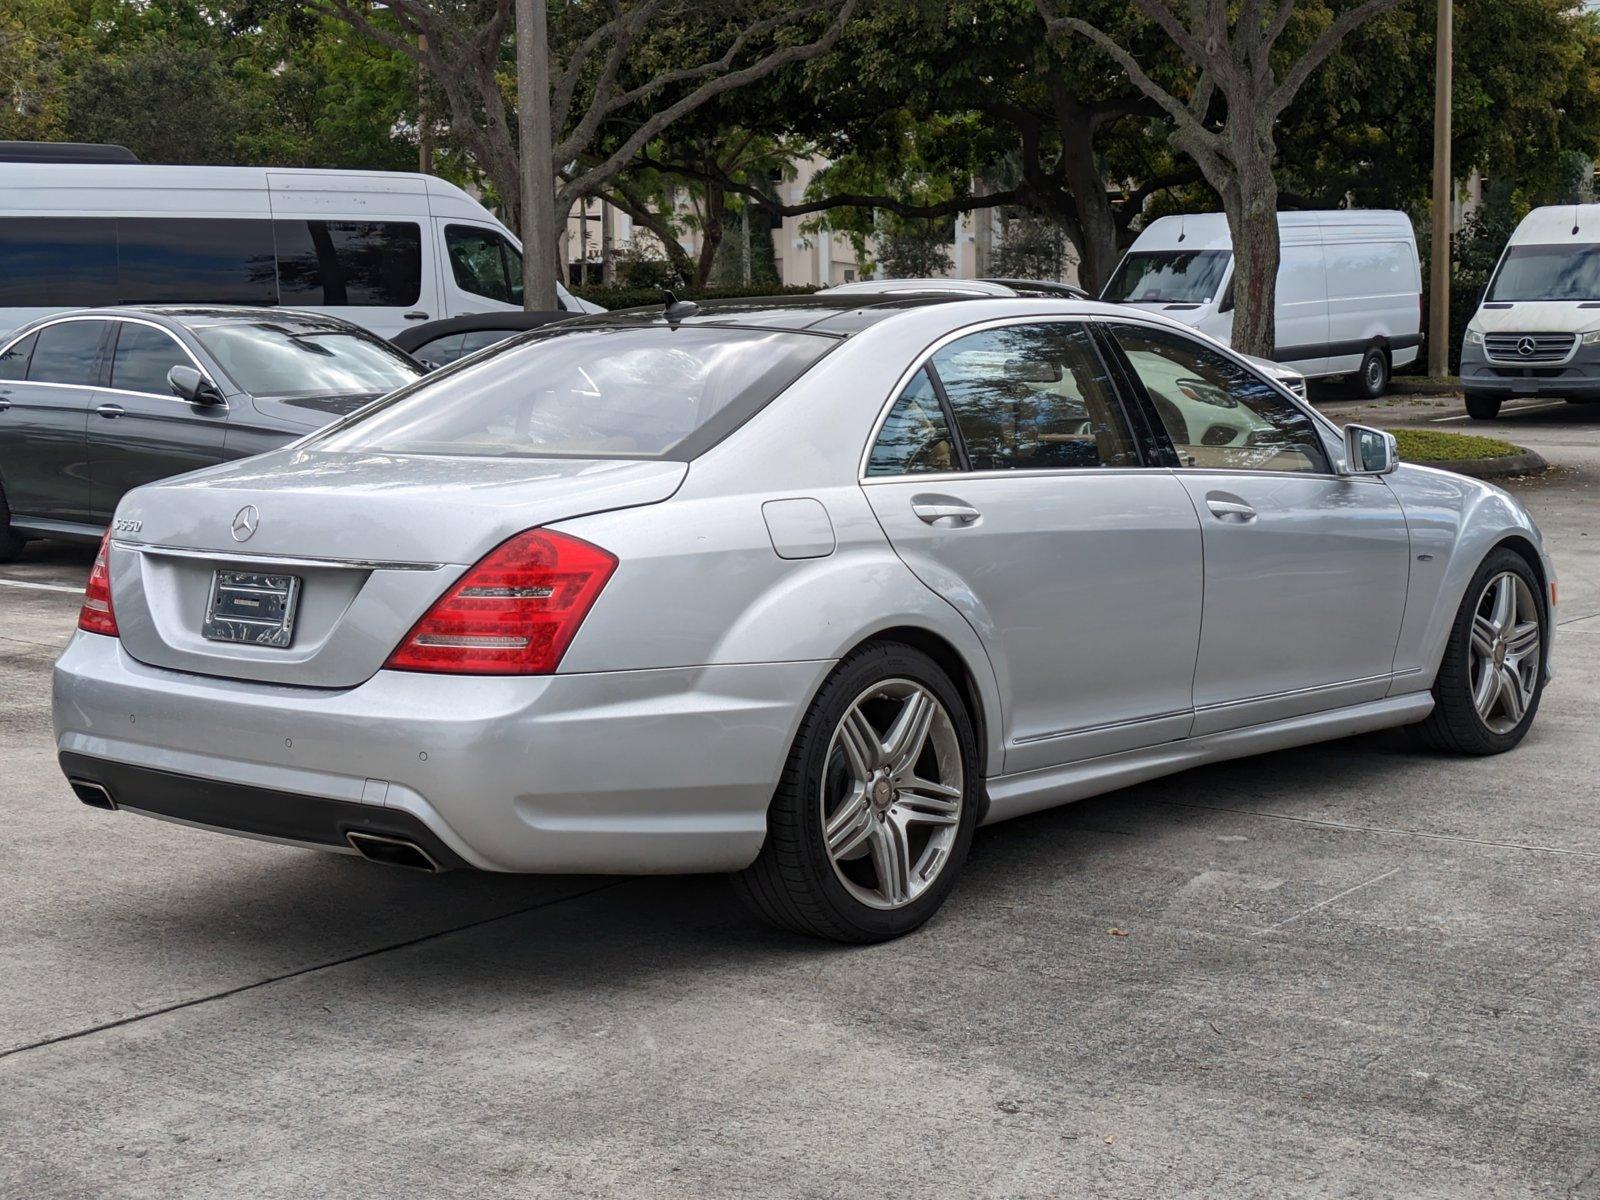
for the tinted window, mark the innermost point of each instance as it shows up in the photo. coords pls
(442, 351)
(142, 359)
(165, 260)
(1167, 277)
(915, 437)
(1547, 273)
(376, 264)
(1034, 397)
(58, 262)
(67, 353)
(14, 359)
(484, 263)
(284, 358)
(609, 391)
(1217, 413)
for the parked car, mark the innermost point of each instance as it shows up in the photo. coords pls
(95, 403)
(1537, 329)
(803, 589)
(382, 249)
(440, 343)
(1349, 296)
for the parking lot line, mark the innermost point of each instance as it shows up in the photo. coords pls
(41, 587)
(1520, 408)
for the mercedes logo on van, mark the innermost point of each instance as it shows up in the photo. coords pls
(1526, 346)
(245, 522)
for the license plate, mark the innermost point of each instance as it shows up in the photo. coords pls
(247, 606)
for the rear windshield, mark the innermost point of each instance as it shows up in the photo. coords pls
(601, 392)
(1167, 277)
(278, 359)
(1547, 273)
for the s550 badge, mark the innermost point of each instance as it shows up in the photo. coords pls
(126, 526)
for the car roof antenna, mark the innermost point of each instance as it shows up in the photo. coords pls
(1183, 231)
(677, 309)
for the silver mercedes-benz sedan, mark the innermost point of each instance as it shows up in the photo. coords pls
(802, 589)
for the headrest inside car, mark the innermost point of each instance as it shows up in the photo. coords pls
(1032, 370)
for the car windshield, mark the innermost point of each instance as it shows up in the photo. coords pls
(1167, 277)
(280, 358)
(1547, 273)
(605, 391)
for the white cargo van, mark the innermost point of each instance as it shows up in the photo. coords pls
(1349, 287)
(381, 249)
(1537, 330)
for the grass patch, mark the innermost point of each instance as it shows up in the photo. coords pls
(1435, 445)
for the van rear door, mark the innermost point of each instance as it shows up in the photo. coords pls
(357, 247)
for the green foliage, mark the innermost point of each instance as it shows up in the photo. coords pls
(914, 249)
(109, 100)
(639, 270)
(639, 297)
(1434, 445)
(1032, 247)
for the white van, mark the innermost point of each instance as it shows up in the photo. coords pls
(1537, 329)
(1349, 287)
(381, 249)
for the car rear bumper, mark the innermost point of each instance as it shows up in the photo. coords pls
(656, 771)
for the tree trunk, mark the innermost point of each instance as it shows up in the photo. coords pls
(1097, 224)
(537, 169)
(608, 270)
(1250, 200)
(711, 231)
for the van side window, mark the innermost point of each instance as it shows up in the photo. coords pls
(14, 358)
(68, 352)
(167, 260)
(369, 264)
(65, 261)
(484, 263)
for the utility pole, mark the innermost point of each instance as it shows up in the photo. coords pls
(1443, 201)
(538, 171)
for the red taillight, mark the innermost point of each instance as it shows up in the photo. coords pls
(515, 613)
(96, 615)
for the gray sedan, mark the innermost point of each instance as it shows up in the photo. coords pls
(96, 402)
(804, 590)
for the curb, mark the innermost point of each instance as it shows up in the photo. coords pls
(1415, 385)
(1526, 463)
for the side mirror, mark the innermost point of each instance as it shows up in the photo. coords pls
(1369, 451)
(188, 384)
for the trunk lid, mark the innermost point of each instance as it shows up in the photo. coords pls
(370, 541)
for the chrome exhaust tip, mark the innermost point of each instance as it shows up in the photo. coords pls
(393, 851)
(95, 795)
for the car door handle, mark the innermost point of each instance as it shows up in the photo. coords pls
(4, 404)
(414, 316)
(952, 513)
(111, 410)
(1230, 510)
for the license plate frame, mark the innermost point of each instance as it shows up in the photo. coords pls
(256, 608)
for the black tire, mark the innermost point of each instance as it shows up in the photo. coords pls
(1372, 380)
(1454, 725)
(1483, 408)
(793, 884)
(11, 542)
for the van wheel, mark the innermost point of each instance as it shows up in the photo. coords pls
(1483, 408)
(1373, 379)
(11, 542)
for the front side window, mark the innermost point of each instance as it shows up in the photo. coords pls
(915, 437)
(279, 358)
(1219, 414)
(142, 359)
(606, 391)
(484, 263)
(337, 264)
(1034, 397)
(1167, 277)
(67, 353)
(14, 358)
(1547, 273)
(171, 260)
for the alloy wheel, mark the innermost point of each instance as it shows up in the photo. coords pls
(1504, 652)
(892, 793)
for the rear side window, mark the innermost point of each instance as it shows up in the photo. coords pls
(915, 437)
(484, 263)
(142, 359)
(14, 358)
(68, 352)
(1357, 270)
(58, 261)
(366, 264)
(601, 392)
(162, 260)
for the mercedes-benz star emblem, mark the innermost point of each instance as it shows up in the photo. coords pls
(245, 522)
(1526, 346)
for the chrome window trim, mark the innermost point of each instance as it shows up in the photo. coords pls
(50, 322)
(926, 356)
(176, 341)
(352, 564)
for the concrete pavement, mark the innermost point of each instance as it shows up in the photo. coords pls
(1350, 970)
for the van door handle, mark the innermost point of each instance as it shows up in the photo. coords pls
(111, 410)
(944, 511)
(1230, 510)
(414, 316)
(4, 404)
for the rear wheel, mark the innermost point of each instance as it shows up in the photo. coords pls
(11, 542)
(1483, 408)
(1489, 684)
(873, 818)
(1373, 378)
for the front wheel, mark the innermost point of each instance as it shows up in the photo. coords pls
(875, 812)
(1492, 676)
(1483, 408)
(1373, 379)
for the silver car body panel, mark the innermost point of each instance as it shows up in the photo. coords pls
(743, 577)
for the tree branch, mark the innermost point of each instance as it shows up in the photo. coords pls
(1317, 54)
